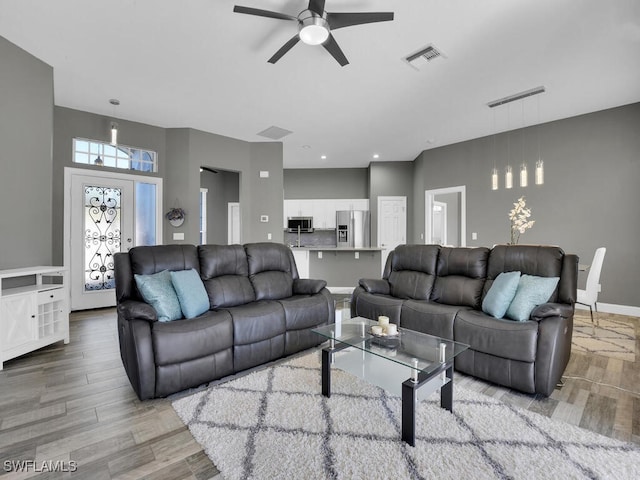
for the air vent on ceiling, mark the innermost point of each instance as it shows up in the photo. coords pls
(423, 56)
(274, 133)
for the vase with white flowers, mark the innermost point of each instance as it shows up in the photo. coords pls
(519, 216)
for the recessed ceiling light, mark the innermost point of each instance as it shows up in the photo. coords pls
(323, 157)
(375, 155)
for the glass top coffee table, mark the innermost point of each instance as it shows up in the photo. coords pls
(414, 361)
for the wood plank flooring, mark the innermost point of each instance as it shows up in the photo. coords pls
(73, 403)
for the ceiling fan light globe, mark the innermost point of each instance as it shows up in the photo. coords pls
(314, 30)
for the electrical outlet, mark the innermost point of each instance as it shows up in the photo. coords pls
(357, 255)
(320, 255)
(268, 236)
(474, 236)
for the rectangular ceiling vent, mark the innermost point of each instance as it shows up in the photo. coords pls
(274, 133)
(423, 56)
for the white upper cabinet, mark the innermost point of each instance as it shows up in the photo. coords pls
(323, 210)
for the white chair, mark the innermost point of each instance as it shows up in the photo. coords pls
(589, 296)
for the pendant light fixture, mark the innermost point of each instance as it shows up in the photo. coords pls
(494, 172)
(539, 173)
(524, 172)
(524, 177)
(508, 173)
(114, 126)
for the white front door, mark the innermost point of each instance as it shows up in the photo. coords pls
(392, 224)
(102, 213)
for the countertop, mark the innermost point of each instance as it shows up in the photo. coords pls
(338, 249)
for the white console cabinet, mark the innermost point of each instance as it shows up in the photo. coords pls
(34, 309)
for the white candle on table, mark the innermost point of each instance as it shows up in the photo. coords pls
(392, 329)
(383, 321)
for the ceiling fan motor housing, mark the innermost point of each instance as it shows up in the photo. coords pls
(314, 29)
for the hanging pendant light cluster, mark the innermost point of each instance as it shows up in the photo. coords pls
(524, 172)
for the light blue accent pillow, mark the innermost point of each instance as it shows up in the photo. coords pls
(499, 297)
(532, 291)
(158, 291)
(192, 295)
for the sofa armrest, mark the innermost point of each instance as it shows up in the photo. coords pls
(135, 309)
(375, 285)
(547, 310)
(308, 286)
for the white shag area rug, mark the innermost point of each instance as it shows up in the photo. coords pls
(275, 424)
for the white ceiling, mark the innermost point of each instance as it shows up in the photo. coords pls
(197, 64)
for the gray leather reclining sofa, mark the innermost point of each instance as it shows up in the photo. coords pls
(439, 291)
(259, 311)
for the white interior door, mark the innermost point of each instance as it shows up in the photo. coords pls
(233, 220)
(392, 224)
(101, 224)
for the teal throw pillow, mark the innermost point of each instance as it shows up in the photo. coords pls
(158, 291)
(499, 297)
(532, 291)
(192, 295)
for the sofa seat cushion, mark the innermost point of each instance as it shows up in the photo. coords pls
(257, 321)
(495, 336)
(189, 339)
(429, 317)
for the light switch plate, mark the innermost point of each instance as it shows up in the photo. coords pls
(319, 254)
(264, 173)
(474, 236)
(178, 235)
(268, 236)
(357, 255)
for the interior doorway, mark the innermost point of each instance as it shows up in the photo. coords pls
(448, 225)
(223, 188)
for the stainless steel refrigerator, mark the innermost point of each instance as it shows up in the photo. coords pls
(353, 228)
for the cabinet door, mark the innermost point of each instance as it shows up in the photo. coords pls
(18, 320)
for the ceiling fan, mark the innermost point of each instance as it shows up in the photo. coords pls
(315, 25)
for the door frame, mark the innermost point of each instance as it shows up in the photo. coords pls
(106, 175)
(428, 211)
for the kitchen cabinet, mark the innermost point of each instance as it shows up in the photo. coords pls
(322, 210)
(34, 315)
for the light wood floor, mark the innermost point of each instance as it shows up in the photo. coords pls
(73, 403)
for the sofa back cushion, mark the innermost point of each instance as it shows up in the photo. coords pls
(272, 270)
(148, 260)
(536, 260)
(411, 271)
(225, 272)
(460, 276)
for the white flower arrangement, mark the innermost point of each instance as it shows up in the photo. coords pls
(519, 216)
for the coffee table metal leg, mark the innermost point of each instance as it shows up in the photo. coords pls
(446, 392)
(326, 372)
(409, 400)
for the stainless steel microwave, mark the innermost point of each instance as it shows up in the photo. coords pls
(300, 224)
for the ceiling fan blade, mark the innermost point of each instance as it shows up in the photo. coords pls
(263, 13)
(332, 47)
(284, 49)
(341, 20)
(317, 6)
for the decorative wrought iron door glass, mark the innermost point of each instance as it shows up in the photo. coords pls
(102, 235)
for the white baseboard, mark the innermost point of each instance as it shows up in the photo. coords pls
(614, 308)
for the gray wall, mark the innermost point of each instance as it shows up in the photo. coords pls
(223, 187)
(69, 124)
(326, 183)
(258, 196)
(26, 130)
(589, 199)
